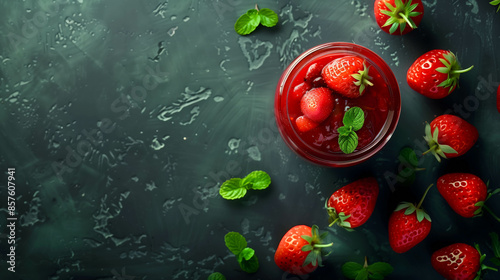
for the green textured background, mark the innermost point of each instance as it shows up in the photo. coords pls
(122, 118)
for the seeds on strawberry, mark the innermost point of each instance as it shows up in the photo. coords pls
(398, 17)
(449, 136)
(459, 261)
(465, 193)
(348, 76)
(300, 250)
(317, 104)
(408, 225)
(435, 74)
(352, 205)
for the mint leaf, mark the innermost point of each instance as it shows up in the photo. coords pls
(247, 22)
(216, 276)
(351, 269)
(268, 17)
(343, 130)
(408, 155)
(232, 189)
(235, 242)
(257, 180)
(353, 120)
(246, 254)
(362, 275)
(354, 117)
(349, 142)
(381, 268)
(251, 265)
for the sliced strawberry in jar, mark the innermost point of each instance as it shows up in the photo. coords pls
(299, 91)
(305, 124)
(313, 72)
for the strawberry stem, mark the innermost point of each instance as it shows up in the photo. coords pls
(423, 197)
(323, 245)
(407, 20)
(460, 71)
(366, 263)
(334, 221)
(491, 213)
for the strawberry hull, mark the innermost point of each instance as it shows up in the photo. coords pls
(381, 104)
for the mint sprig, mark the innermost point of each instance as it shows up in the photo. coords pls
(496, 3)
(378, 270)
(250, 20)
(409, 165)
(353, 121)
(237, 244)
(216, 276)
(236, 188)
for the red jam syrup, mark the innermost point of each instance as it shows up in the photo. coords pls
(375, 103)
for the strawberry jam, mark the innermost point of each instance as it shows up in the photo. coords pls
(318, 143)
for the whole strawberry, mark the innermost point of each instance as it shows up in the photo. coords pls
(449, 136)
(408, 225)
(466, 194)
(463, 191)
(459, 261)
(300, 250)
(317, 104)
(398, 17)
(347, 76)
(352, 205)
(435, 74)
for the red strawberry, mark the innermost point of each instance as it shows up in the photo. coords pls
(398, 17)
(498, 97)
(449, 136)
(466, 194)
(300, 250)
(305, 124)
(347, 76)
(463, 191)
(352, 205)
(408, 226)
(435, 74)
(317, 104)
(459, 261)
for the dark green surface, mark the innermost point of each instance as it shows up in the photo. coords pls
(122, 119)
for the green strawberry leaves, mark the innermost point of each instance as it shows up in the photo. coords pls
(353, 121)
(362, 79)
(376, 271)
(495, 244)
(482, 206)
(337, 218)
(315, 247)
(435, 148)
(250, 20)
(245, 256)
(452, 69)
(236, 188)
(412, 208)
(400, 15)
